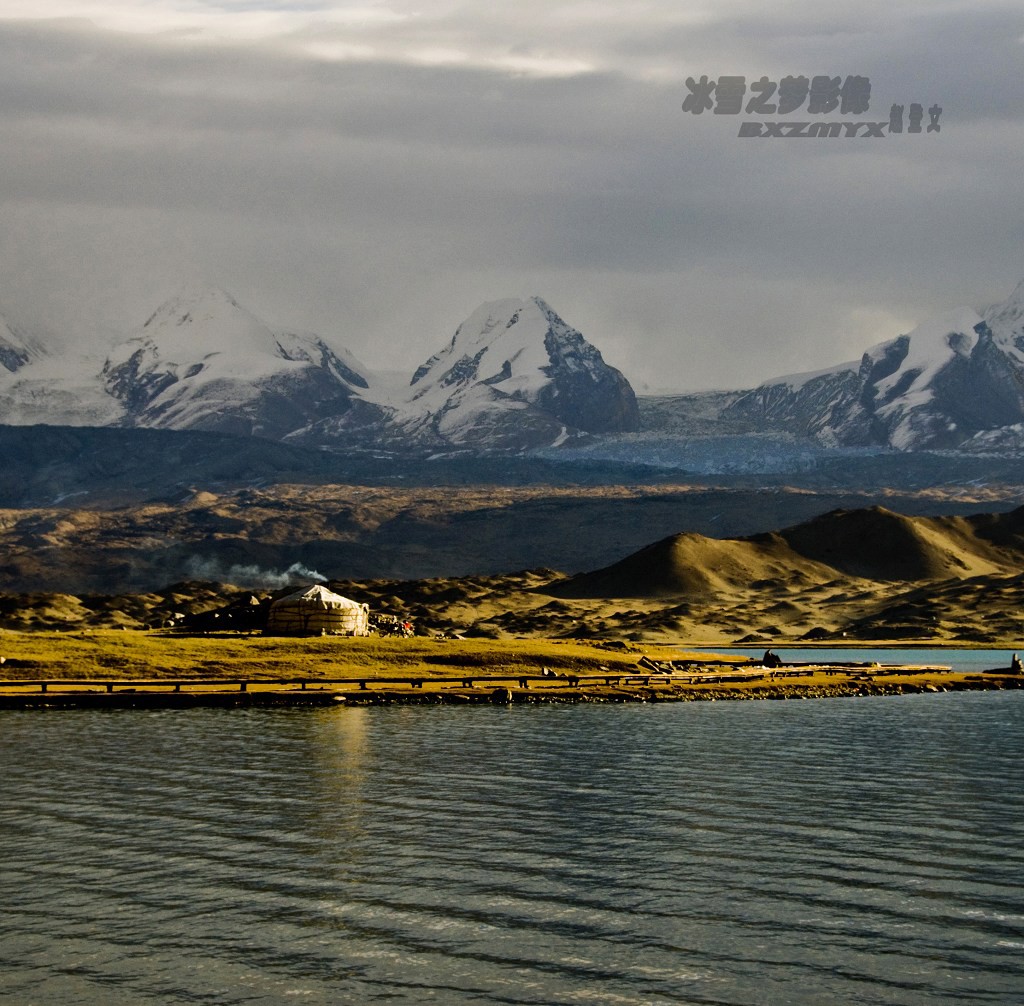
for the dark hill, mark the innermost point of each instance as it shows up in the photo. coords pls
(871, 544)
(693, 564)
(1005, 530)
(878, 544)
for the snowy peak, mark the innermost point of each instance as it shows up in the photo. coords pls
(515, 374)
(310, 348)
(198, 324)
(57, 389)
(925, 351)
(910, 402)
(202, 361)
(954, 376)
(931, 346)
(1006, 322)
(193, 306)
(17, 349)
(500, 341)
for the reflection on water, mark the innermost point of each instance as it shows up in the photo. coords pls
(840, 851)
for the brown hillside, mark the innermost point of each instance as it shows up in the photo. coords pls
(873, 544)
(715, 591)
(1003, 530)
(694, 565)
(877, 544)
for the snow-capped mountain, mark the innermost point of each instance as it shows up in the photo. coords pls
(200, 362)
(203, 362)
(60, 390)
(37, 387)
(515, 375)
(1007, 322)
(952, 381)
(16, 349)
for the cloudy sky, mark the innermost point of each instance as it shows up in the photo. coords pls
(374, 171)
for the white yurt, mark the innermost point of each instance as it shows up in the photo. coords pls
(317, 611)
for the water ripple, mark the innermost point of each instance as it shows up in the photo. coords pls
(851, 852)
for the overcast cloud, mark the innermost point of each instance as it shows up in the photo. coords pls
(374, 171)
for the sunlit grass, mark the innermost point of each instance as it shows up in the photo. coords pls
(126, 659)
(112, 654)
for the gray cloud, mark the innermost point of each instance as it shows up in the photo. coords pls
(379, 200)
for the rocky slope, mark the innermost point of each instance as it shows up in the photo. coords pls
(934, 580)
(203, 362)
(874, 544)
(348, 530)
(16, 349)
(955, 381)
(514, 376)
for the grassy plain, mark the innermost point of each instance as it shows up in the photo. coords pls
(154, 662)
(112, 654)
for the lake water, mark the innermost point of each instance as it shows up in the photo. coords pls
(968, 661)
(844, 851)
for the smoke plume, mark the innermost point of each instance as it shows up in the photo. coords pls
(251, 576)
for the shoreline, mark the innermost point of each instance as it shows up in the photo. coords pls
(131, 699)
(256, 694)
(138, 670)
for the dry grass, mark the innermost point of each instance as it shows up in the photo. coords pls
(116, 655)
(139, 662)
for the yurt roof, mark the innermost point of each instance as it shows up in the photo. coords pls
(316, 596)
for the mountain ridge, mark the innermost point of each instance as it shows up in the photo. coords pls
(519, 358)
(516, 377)
(202, 361)
(16, 348)
(873, 543)
(947, 579)
(956, 377)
